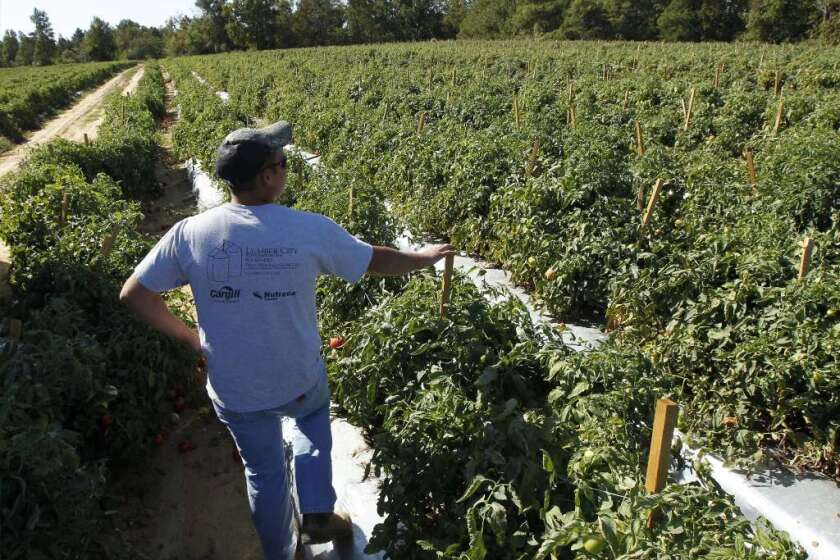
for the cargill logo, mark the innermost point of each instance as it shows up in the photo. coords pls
(225, 294)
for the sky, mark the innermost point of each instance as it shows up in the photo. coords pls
(67, 15)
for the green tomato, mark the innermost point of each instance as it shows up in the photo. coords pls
(532, 261)
(594, 544)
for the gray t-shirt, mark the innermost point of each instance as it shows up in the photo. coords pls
(252, 270)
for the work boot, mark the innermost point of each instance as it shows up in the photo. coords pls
(299, 552)
(320, 528)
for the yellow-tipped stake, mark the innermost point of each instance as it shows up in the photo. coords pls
(108, 241)
(752, 172)
(780, 113)
(654, 196)
(690, 108)
(640, 143)
(532, 159)
(516, 116)
(659, 459)
(805, 263)
(449, 262)
(62, 216)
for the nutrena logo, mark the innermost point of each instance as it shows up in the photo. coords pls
(225, 294)
(275, 295)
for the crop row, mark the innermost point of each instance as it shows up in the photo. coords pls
(28, 94)
(81, 390)
(709, 290)
(492, 439)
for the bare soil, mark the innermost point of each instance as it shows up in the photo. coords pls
(82, 118)
(184, 505)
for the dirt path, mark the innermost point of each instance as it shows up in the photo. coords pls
(90, 122)
(82, 118)
(184, 506)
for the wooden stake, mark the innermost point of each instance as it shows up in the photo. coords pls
(805, 263)
(572, 116)
(660, 448)
(779, 114)
(447, 283)
(640, 198)
(626, 100)
(690, 107)
(777, 84)
(62, 216)
(350, 205)
(751, 170)
(571, 92)
(15, 329)
(516, 116)
(532, 159)
(108, 241)
(87, 141)
(717, 75)
(421, 122)
(654, 196)
(640, 143)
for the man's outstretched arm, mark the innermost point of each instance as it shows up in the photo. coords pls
(392, 262)
(151, 308)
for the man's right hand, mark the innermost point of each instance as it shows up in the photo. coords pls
(433, 253)
(391, 262)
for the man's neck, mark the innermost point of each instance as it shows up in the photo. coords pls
(250, 198)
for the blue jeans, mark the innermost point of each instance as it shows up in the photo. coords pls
(259, 438)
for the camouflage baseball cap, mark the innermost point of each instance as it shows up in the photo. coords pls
(244, 151)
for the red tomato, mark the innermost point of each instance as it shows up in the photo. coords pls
(158, 439)
(186, 446)
(336, 342)
(180, 404)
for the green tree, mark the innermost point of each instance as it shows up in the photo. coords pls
(586, 19)
(418, 20)
(702, 20)
(43, 38)
(780, 21)
(452, 18)
(634, 20)
(9, 48)
(215, 23)
(538, 16)
(679, 22)
(828, 29)
(318, 22)
(26, 50)
(136, 42)
(252, 24)
(99, 43)
(370, 21)
(488, 19)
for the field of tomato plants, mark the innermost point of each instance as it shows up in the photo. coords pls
(82, 389)
(28, 94)
(493, 440)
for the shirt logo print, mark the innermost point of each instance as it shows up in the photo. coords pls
(225, 262)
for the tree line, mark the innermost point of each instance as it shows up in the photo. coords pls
(226, 25)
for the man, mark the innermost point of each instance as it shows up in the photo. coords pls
(252, 267)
